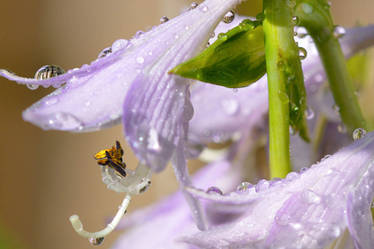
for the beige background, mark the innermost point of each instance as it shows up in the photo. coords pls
(47, 176)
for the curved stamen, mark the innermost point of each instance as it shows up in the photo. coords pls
(78, 226)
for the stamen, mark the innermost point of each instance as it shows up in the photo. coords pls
(127, 181)
(78, 226)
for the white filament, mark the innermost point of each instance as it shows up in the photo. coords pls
(78, 226)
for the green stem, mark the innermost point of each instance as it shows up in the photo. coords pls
(339, 79)
(282, 60)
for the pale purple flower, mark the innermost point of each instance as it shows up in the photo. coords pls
(309, 209)
(132, 83)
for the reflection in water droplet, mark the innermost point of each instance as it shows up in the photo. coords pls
(358, 133)
(295, 20)
(214, 190)
(229, 17)
(302, 53)
(105, 52)
(339, 31)
(244, 186)
(193, 5)
(96, 241)
(48, 71)
(119, 44)
(164, 19)
(32, 86)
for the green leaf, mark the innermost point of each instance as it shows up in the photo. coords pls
(236, 59)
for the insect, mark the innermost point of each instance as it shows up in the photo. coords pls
(112, 158)
(48, 71)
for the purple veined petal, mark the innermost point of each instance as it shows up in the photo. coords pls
(157, 109)
(306, 210)
(171, 214)
(232, 111)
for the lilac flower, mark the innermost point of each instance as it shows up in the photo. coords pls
(132, 83)
(306, 210)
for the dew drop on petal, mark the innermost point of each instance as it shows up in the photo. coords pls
(230, 106)
(164, 19)
(309, 113)
(32, 86)
(358, 133)
(302, 53)
(244, 187)
(193, 5)
(262, 185)
(295, 20)
(119, 44)
(214, 190)
(105, 52)
(96, 241)
(292, 176)
(229, 17)
(339, 31)
(48, 71)
(235, 90)
(140, 60)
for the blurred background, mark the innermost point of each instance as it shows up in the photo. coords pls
(47, 176)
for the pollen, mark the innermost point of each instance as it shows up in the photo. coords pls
(112, 158)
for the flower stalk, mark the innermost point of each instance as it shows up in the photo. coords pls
(284, 75)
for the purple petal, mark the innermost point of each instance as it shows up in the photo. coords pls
(171, 214)
(306, 210)
(157, 109)
(231, 111)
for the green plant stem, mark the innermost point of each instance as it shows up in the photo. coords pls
(339, 79)
(281, 58)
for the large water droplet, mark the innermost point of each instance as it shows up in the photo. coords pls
(164, 19)
(339, 31)
(214, 190)
(48, 71)
(229, 17)
(96, 241)
(230, 106)
(358, 133)
(302, 53)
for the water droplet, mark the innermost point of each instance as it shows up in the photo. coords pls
(51, 101)
(235, 90)
(212, 35)
(311, 197)
(243, 187)
(105, 52)
(229, 17)
(283, 97)
(295, 20)
(164, 19)
(309, 113)
(32, 86)
(140, 60)
(139, 33)
(214, 190)
(48, 71)
(230, 106)
(96, 241)
(307, 8)
(222, 36)
(302, 53)
(302, 170)
(358, 133)
(262, 185)
(153, 141)
(301, 32)
(193, 5)
(282, 219)
(292, 176)
(119, 44)
(342, 128)
(339, 31)
(291, 3)
(204, 9)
